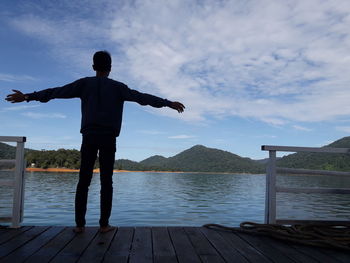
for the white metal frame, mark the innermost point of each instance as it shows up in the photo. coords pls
(17, 183)
(272, 189)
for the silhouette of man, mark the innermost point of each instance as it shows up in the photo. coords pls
(102, 102)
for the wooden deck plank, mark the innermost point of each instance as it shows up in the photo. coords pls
(288, 249)
(3, 230)
(183, 247)
(244, 248)
(202, 246)
(24, 237)
(154, 244)
(51, 248)
(32, 246)
(339, 255)
(141, 250)
(12, 233)
(229, 253)
(317, 253)
(120, 247)
(76, 247)
(163, 250)
(98, 247)
(265, 248)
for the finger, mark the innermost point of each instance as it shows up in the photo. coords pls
(17, 91)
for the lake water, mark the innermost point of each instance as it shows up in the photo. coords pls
(176, 199)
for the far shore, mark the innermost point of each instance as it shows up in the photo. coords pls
(67, 170)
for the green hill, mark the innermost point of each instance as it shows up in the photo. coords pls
(320, 161)
(7, 151)
(125, 164)
(202, 159)
(155, 160)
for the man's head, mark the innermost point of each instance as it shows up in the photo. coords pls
(102, 61)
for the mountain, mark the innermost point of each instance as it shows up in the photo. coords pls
(156, 160)
(7, 151)
(320, 161)
(125, 164)
(202, 159)
(265, 160)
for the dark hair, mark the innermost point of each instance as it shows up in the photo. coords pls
(102, 61)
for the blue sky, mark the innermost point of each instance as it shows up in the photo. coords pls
(249, 72)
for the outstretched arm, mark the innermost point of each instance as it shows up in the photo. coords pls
(71, 90)
(148, 99)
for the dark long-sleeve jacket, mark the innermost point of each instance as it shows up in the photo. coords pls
(102, 101)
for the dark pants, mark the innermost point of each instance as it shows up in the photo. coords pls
(105, 146)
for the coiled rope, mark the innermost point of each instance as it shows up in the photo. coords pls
(330, 235)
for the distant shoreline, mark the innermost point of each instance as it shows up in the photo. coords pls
(67, 170)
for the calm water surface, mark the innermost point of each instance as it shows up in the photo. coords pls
(173, 199)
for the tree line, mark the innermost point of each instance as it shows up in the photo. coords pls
(61, 158)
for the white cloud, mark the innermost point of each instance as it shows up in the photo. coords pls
(301, 128)
(16, 78)
(231, 59)
(266, 136)
(274, 61)
(35, 115)
(182, 136)
(343, 128)
(151, 132)
(19, 107)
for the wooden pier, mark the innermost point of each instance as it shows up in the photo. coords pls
(152, 244)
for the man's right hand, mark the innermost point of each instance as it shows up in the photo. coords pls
(15, 97)
(177, 106)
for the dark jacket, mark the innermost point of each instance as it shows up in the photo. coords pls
(102, 101)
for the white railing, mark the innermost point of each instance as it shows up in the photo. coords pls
(17, 183)
(272, 189)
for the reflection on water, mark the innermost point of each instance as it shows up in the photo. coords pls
(188, 199)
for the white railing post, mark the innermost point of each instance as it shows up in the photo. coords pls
(17, 183)
(270, 200)
(17, 209)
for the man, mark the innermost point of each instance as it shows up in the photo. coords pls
(102, 102)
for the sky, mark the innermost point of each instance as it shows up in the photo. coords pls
(250, 72)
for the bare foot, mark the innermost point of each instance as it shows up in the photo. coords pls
(78, 229)
(105, 229)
